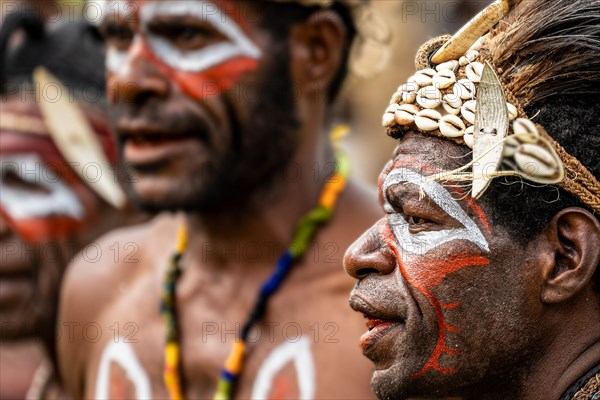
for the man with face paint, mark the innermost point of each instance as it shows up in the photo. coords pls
(49, 211)
(483, 279)
(220, 109)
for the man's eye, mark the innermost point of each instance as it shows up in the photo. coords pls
(185, 37)
(418, 224)
(417, 220)
(118, 36)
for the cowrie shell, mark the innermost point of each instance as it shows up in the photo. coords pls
(477, 45)
(451, 65)
(408, 92)
(412, 79)
(524, 126)
(423, 77)
(469, 57)
(392, 108)
(452, 126)
(388, 120)
(452, 104)
(510, 147)
(465, 89)
(443, 79)
(405, 114)
(429, 97)
(427, 120)
(536, 161)
(474, 71)
(468, 111)
(512, 111)
(469, 139)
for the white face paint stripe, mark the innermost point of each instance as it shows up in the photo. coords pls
(298, 352)
(122, 354)
(21, 203)
(195, 61)
(423, 242)
(115, 59)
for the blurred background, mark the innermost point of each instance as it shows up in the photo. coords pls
(363, 101)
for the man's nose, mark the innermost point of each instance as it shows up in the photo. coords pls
(367, 255)
(139, 77)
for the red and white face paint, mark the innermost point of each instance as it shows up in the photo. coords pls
(200, 72)
(418, 262)
(41, 198)
(423, 242)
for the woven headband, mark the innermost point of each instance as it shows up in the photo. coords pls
(456, 94)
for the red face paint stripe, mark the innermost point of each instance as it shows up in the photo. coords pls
(41, 230)
(438, 269)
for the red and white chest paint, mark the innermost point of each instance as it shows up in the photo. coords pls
(199, 73)
(412, 250)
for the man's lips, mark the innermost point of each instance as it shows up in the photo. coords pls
(378, 321)
(149, 147)
(376, 329)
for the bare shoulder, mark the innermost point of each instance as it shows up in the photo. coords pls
(116, 257)
(92, 280)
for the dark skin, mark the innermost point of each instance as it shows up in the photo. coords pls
(524, 324)
(223, 269)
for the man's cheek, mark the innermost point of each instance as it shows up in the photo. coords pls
(214, 81)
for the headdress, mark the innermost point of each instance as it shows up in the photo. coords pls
(473, 88)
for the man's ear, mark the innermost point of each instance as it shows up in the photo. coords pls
(317, 50)
(574, 235)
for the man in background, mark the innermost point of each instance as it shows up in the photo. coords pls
(49, 208)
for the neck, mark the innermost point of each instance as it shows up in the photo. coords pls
(570, 355)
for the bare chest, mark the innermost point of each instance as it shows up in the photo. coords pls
(294, 352)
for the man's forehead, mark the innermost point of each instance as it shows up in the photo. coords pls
(426, 154)
(130, 9)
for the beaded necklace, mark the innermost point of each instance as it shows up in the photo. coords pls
(305, 230)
